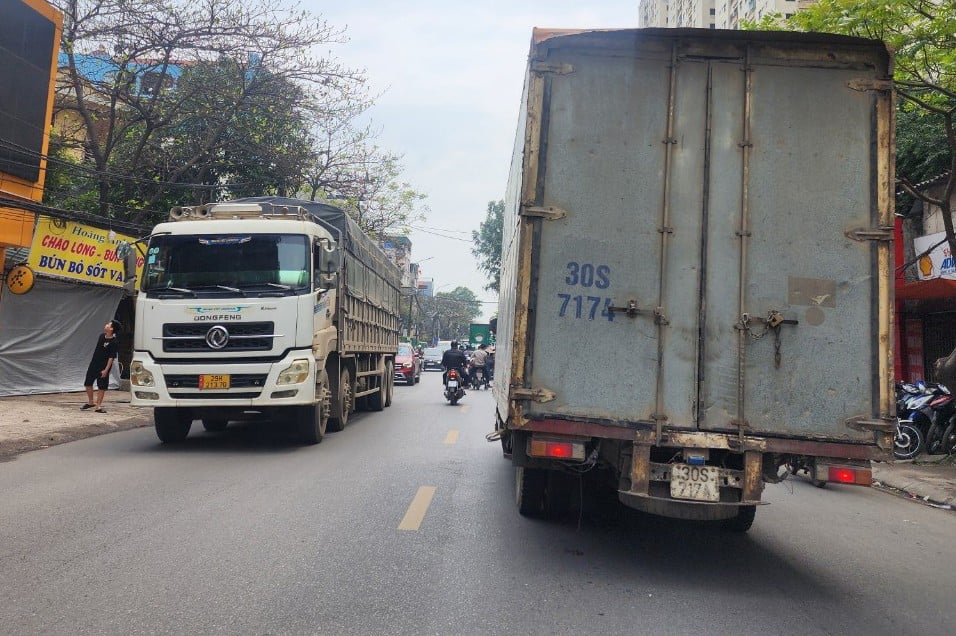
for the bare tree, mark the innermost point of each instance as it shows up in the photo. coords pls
(137, 105)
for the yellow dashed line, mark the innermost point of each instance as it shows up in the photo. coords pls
(452, 437)
(416, 511)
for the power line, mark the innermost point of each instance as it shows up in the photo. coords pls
(453, 238)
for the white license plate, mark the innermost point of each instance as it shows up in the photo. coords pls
(453, 384)
(699, 483)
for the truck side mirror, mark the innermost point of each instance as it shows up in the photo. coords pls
(330, 257)
(127, 253)
(328, 262)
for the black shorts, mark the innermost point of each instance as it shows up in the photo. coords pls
(94, 375)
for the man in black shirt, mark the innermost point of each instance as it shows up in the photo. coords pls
(104, 356)
(454, 359)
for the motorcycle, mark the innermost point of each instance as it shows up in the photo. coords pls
(914, 418)
(454, 386)
(941, 436)
(479, 379)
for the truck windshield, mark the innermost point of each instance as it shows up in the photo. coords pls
(230, 264)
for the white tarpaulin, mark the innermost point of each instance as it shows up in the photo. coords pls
(47, 336)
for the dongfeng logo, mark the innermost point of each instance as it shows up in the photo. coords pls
(217, 337)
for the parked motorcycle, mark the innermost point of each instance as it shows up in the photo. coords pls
(943, 427)
(454, 386)
(913, 419)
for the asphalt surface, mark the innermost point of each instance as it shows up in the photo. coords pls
(33, 422)
(247, 532)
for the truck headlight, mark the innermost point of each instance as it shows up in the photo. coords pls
(295, 373)
(139, 375)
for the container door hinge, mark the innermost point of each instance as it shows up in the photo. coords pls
(548, 67)
(870, 85)
(533, 394)
(871, 234)
(549, 213)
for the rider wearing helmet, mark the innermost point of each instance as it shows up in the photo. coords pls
(454, 359)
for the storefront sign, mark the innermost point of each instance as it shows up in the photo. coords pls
(64, 249)
(20, 279)
(939, 262)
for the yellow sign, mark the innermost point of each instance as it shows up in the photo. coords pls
(79, 252)
(20, 279)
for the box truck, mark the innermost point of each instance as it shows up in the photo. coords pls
(695, 288)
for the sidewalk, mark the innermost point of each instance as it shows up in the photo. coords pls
(31, 422)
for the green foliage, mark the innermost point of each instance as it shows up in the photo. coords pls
(487, 247)
(213, 100)
(453, 311)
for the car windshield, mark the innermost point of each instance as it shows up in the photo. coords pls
(230, 265)
(404, 350)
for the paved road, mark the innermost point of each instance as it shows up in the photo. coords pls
(245, 532)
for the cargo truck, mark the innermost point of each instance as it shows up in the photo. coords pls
(263, 308)
(695, 286)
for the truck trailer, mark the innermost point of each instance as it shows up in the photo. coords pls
(696, 268)
(263, 308)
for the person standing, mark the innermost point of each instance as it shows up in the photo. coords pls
(104, 357)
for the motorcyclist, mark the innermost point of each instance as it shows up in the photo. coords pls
(454, 359)
(479, 360)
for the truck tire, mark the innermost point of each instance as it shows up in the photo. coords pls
(214, 425)
(376, 401)
(743, 520)
(530, 487)
(309, 423)
(389, 382)
(172, 424)
(341, 401)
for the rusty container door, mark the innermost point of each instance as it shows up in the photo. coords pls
(707, 187)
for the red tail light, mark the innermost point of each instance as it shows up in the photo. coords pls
(861, 476)
(556, 449)
(452, 374)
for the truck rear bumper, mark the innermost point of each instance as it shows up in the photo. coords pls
(647, 435)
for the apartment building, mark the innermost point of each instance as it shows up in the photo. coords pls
(712, 14)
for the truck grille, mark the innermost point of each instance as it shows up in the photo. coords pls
(243, 336)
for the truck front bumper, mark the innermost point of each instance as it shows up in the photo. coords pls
(212, 384)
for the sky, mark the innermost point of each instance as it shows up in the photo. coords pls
(449, 74)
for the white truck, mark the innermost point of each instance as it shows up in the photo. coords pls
(264, 307)
(696, 268)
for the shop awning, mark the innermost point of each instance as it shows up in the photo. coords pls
(932, 289)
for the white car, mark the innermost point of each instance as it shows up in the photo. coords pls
(432, 358)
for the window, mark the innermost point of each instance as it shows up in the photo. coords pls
(252, 262)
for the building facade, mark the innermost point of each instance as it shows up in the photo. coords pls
(713, 14)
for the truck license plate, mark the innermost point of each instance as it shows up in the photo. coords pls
(207, 381)
(700, 483)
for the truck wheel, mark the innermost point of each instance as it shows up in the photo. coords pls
(214, 425)
(743, 520)
(389, 382)
(172, 424)
(309, 423)
(530, 486)
(376, 401)
(341, 402)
